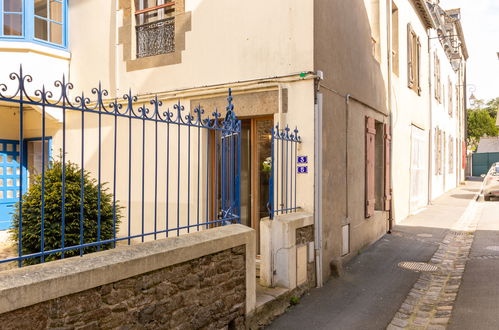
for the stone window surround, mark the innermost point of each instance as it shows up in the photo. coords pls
(126, 37)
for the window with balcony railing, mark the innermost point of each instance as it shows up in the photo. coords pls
(155, 27)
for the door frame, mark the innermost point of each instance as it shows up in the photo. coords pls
(255, 176)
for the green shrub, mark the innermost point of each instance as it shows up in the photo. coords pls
(31, 215)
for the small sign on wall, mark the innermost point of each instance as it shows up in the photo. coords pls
(302, 169)
(302, 160)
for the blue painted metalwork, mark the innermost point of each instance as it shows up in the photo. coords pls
(282, 184)
(219, 179)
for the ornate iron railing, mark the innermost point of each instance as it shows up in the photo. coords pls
(156, 38)
(173, 171)
(284, 169)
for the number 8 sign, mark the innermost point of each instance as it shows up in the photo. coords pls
(302, 169)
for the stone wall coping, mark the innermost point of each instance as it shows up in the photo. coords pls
(296, 220)
(30, 285)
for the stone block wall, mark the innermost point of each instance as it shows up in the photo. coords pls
(204, 293)
(305, 235)
(209, 290)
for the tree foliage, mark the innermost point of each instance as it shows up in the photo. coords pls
(31, 213)
(480, 124)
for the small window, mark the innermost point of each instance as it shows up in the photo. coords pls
(49, 21)
(155, 27)
(13, 18)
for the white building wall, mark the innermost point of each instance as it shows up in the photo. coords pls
(450, 125)
(410, 113)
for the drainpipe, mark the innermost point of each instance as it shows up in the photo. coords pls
(430, 133)
(389, 96)
(318, 179)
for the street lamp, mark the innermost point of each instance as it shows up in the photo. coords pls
(470, 88)
(472, 99)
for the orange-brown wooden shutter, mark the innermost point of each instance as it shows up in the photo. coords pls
(388, 187)
(370, 154)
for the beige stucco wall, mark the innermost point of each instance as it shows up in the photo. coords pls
(300, 98)
(228, 41)
(9, 124)
(346, 57)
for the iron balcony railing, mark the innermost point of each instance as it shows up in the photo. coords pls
(168, 172)
(156, 38)
(284, 169)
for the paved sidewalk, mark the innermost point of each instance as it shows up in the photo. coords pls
(373, 287)
(477, 304)
(431, 300)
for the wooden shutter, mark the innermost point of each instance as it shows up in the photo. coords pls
(370, 154)
(418, 65)
(464, 156)
(388, 187)
(410, 72)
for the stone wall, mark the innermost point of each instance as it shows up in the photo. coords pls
(208, 292)
(305, 235)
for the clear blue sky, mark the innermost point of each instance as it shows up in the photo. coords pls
(480, 20)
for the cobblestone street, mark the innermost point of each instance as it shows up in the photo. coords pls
(413, 277)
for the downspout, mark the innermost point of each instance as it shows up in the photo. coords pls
(347, 191)
(465, 118)
(430, 133)
(318, 179)
(389, 95)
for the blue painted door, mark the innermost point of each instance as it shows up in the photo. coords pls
(10, 182)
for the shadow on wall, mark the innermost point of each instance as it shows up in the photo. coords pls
(346, 50)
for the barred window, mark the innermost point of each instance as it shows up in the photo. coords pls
(155, 27)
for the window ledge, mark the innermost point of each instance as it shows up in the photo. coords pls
(30, 47)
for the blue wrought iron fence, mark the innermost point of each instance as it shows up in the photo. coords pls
(284, 169)
(170, 172)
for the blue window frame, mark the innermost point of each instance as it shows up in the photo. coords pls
(39, 21)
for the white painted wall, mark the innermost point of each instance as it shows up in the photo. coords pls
(451, 125)
(408, 109)
(44, 64)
